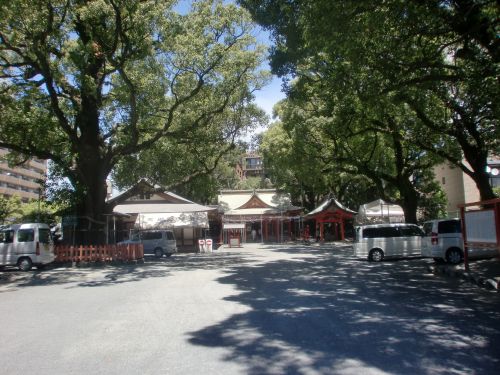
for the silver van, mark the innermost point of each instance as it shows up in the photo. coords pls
(379, 241)
(157, 242)
(444, 243)
(25, 245)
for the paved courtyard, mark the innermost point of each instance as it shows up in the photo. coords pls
(253, 310)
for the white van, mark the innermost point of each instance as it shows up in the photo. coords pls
(157, 242)
(25, 245)
(444, 243)
(379, 241)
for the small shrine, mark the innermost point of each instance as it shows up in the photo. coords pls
(332, 219)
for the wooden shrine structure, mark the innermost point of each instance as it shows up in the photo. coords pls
(333, 213)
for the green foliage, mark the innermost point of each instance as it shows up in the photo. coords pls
(90, 84)
(418, 76)
(358, 156)
(10, 207)
(308, 178)
(251, 183)
(12, 210)
(38, 212)
(199, 165)
(433, 206)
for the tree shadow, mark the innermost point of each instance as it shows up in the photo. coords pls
(97, 275)
(327, 313)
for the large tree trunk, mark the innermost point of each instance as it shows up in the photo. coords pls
(410, 205)
(482, 180)
(93, 167)
(478, 162)
(409, 201)
(92, 208)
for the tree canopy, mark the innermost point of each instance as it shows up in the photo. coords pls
(88, 83)
(425, 73)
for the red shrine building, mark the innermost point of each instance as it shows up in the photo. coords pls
(332, 221)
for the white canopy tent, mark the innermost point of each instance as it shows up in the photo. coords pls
(163, 216)
(380, 211)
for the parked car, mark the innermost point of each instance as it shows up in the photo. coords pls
(25, 245)
(379, 241)
(157, 242)
(443, 242)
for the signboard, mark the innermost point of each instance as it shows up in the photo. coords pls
(480, 226)
(201, 246)
(234, 226)
(208, 243)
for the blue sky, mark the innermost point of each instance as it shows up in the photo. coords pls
(269, 95)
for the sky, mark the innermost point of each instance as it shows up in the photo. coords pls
(269, 95)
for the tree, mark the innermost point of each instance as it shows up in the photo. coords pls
(200, 164)
(341, 146)
(301, 176)
(38, 212)
(309, 178)
(9, 208)
(87, 83)
(437, 58)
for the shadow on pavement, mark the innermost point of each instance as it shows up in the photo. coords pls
(109, 274)
(328, 313)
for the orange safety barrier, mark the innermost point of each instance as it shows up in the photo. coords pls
(99, 253)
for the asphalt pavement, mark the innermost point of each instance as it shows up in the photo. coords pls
(260, 309)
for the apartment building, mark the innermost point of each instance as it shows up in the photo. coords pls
(251, 166)
(459, 187)
(22, 181)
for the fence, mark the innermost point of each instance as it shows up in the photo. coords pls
(100, 253)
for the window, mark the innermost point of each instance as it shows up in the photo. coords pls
(410, 231)
(380, 232)
(44, 235)
(151, 236)
(6, 236)
(25, 235)
(449, 226)
(170, 236)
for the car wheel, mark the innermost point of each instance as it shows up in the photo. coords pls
(24, 264)
(158, 252)
(454, 255)
(376, 255)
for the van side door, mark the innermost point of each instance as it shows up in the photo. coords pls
(389, 240)
(25, 241)
(151, 240)
(412, 236)
(170, 241)
(45, 245)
